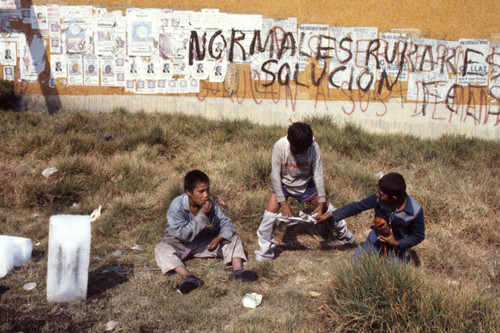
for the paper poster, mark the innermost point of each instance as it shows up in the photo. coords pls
(58, 66)
(10, 4)
(247, 24)
(108, 77)
(26, 14)
(161, 86)
(129, 85)
(218, 71)
(141, 32)
(194, 85)
(8, 53)
(39, 17)
(494, 77)
(350, 47)
(183, 86)
(475, 52)
(132, 67)
(172, 86)
(140, 86)
(75, 70)
(167, 69)
(8, 73)
(111, 33)
(308, 41)
(90, 71)
(150, 86)
(391, 49)
(78, 37)
(200, 70)
(55, 45)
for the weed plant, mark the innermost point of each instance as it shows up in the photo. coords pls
(132, 164)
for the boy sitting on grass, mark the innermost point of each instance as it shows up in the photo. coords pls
(186, 235)
(296, 171)
(400, 211)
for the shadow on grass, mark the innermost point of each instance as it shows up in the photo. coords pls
(321, 232)
(106, 277)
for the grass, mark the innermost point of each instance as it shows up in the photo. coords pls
(133, 165)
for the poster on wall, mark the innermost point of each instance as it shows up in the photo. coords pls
(476, 70)
(8, 73)
(141, 32)
(392, 46)
(76, 29)
(308, 41)
(10, 4)
(58, 66)
(494, 77)
(90, 71)
(39, 19)
(8, 53)
(75, 70)
(218, 71)
(107, 65)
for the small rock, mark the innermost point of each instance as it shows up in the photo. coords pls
(136, 247)
(379, 174)
(47, 172)
(110, 325)
(452, 283)
(117, 253)
(29, 286)
(412, 166)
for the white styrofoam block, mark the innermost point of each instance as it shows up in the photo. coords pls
(69, 255)
(14, 252)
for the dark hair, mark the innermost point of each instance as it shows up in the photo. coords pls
(300, 135)
(194, 177)
(393, 184)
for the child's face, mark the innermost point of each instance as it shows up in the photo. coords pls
(199, 195)
(297, 151)
(391, 201)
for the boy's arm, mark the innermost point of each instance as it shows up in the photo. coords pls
(418, 232)
(317, 169)
(276, 173)
(181, 228)
(349, 210)
(227, 228)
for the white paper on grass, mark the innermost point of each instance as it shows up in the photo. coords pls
(68, 259)
(14, 252)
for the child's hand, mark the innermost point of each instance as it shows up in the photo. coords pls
(389, 240)
(213, 244)
(207, 206)
(320, 208)
(323, 218)
(285, 209)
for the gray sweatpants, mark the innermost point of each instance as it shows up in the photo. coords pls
(171, 252)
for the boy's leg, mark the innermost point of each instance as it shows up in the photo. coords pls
(343, 235)
(372, 245)
(169, 254)
(266, 230)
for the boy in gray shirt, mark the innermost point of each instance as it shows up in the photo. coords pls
(187, 234)
(297, 171)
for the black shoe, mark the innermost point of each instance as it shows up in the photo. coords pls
(245, 275)
(190, 283)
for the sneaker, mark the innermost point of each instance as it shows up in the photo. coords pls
(245, 275)
(189, 283)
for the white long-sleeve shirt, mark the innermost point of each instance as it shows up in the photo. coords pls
(296, 171)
